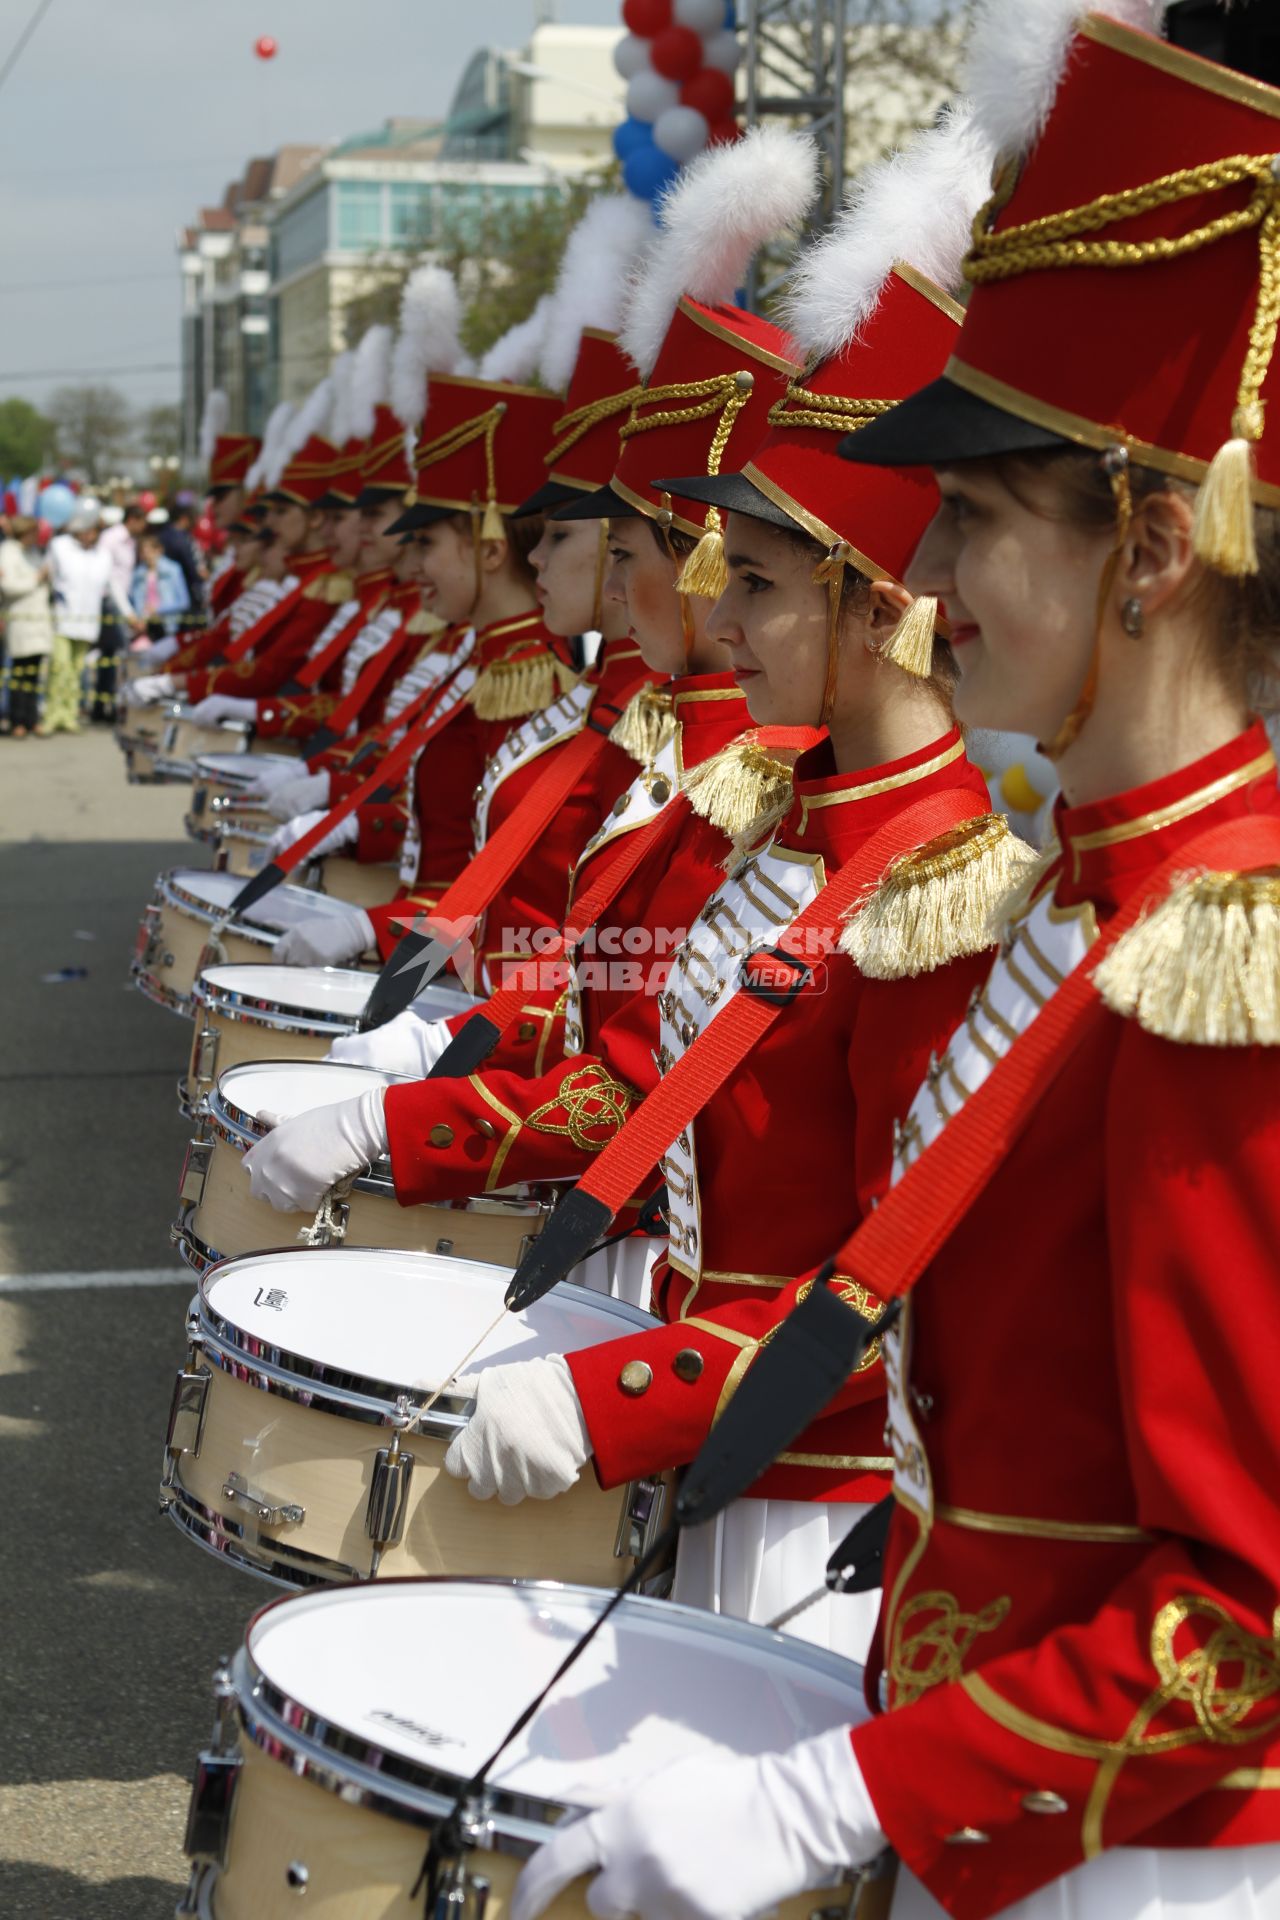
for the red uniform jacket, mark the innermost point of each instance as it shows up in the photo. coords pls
(520, 1120)
(295, 716)
(427, 657)
(286, 636)
(1080, 1637)
(226, 589)
(758, 1184)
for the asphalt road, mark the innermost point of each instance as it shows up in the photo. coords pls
(112, 1623)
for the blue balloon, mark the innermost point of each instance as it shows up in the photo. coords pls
(649, 171)
(57, 504)
(730, 16)
(630, 136)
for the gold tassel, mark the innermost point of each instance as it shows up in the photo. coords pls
(513, 689)
(911, 646)
(1223, 531)
(740, 788)
(425, 622)
(1203, 967)
(938, 902)
(705, 571)
(645, 725)
(492, 527)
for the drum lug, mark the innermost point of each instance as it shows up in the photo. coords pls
(268, 1513)
(195, 1171)
(641, 1519)
(148, 938)
(461, 1894)
(206, 1059)
(389, 1495)
(199, 801)
(186, 1409)
(220, 854)
(214, 1785)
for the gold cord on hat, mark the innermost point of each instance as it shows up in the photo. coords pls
(829, 572)
(1223, 530)
(575, 425)
(704, 572)
(664, 520)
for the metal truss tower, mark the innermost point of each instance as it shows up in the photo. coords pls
(794, 70)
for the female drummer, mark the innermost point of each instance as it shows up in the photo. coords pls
(1079, 1655)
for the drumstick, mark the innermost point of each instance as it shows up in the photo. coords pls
(473, 1349)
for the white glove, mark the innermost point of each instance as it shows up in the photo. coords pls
(527, 1437)
(326, 939)
(345, 834)
(288, 795)
(155, 656)
(216, 707)
(410, 1045)
(715, 1839)
(148, 688)
(295, 1165)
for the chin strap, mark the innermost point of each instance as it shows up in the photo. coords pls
(829, 573)
(597, 592)
(1115, 464)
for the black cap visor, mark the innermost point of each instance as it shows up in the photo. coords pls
(603, 504)
(941, 426)
(551, 494)
(414, 518)
(732, 493)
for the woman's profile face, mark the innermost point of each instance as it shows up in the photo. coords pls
(772, 618)
(565, 563)
(642, 581)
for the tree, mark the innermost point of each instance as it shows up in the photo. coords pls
(26, 438)
(160, 431)
(93, 425)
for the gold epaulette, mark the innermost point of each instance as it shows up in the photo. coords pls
(744, 790)
(254, 574)
(333, 588)
(513, 689)
(1203, 967)
(646, 725)
(425, 622)
(939, 902)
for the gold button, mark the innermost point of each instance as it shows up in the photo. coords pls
(1043, 1800)
(526, 1031)
(968, 1837)
(441, 1136)
(622, 802)
(687, 1364)
(487, 1128)
(636, 1378)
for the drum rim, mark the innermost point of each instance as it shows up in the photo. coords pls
(338, 1390)
(170, 894)
(227, 1001)
(361, 1771)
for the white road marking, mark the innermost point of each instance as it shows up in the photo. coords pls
(118, 1277)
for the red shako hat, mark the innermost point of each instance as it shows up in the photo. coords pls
(385, 465)
(584, 446)
(480, 449)
(233, 455)
(306, 475)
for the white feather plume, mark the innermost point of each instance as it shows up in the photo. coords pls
(277, 421)
(342, 373)
(1017, 56)
(371, 379)
(600, 256)
(430, 320)
(918, 205)
(720, 210)
(516, 355)
(213, 421)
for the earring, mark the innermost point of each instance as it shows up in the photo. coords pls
(1132, 618)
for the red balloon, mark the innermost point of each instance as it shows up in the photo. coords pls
(711, 93)
(724, 133)
(266, 48)
(676, 53)
(147, 501)
(647, 17)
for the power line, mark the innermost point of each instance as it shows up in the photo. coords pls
(115, 280)
(42, 8)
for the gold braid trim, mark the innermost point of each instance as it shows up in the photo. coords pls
(645, 726)
(588, 1109)
(742, 789)
(483, 427)
(574, 426)
(1203, 967)
(513, 689)
(831, 412)
(333, 588)
(704, 572)
(937, 903)
(1224, 531)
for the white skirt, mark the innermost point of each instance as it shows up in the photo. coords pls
(622, 1270)
(1138, 1883)
(760, 1557)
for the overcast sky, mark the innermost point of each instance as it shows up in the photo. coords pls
(124, 116)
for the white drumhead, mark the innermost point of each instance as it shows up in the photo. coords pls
(339, 993)
(285, 906)
(289, 1087)
(407, 1318)
(438, 1671)
(215, 890)
(233, 766)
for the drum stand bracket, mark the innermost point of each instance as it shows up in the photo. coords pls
(268, 1513)
(389, 1493)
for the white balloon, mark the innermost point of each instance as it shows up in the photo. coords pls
(681, 132)
(722, 50)
(648, 95)
(704, 16)
(631, 55)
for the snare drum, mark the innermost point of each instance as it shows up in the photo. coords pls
(243, 837)
(220, 1220)
(281, 1013)
(295, 1448)
(350, 1720)
(223, 777)
(185, 929)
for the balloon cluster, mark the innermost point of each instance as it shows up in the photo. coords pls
(678, 59)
